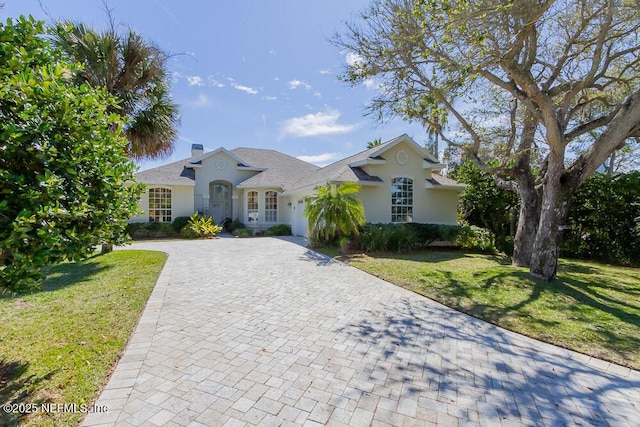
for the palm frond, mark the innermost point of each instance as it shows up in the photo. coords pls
(134, 71)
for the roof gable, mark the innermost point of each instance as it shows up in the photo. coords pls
(278, 170)
(176, 173)
(377, 151)
(350, 169)
(199, 159)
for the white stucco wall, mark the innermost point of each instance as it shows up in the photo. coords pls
(429, 206)
(219, 167)
(285, 208)
(299, 224)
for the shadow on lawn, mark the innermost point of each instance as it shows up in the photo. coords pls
(68, 274)
(65, 274)
(14, 390)
(588, 297)
(572, 296)
(453, 362)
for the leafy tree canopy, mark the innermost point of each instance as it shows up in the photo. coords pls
(486, 205)
(520, 81)
(64, 168)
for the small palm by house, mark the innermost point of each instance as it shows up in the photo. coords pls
(334, 211)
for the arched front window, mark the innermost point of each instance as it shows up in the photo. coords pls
(270, 206)
(159, 205)
(252, 206)
(401, 200)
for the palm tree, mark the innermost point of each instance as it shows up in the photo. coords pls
(334, 211)
(374, 143)
(134, 71)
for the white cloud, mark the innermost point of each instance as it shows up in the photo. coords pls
(175, 76)
(317, 94)
(272, 52)
(269, 98)
(246, 89)
(353, 59)
(202, 101)
(323, 123)
(213, 82)
(372, 84)
(320, 159)
(195, 81)
(295, 84)
(325, 71)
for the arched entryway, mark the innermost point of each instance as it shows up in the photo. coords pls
(220, 200)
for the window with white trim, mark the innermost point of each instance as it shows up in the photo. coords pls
(270, 206)
(401, 200)
(159, 205)
(252, 206)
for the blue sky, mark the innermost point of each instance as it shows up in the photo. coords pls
(248, 73)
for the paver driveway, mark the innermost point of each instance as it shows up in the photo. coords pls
(266, 332)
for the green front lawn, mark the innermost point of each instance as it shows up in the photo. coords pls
(59, 345)
(591, 308)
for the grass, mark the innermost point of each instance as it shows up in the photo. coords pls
(591, 308)
(59, 345)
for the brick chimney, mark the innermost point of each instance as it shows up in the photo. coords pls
(196, 150)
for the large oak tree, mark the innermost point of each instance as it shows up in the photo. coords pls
(548, 88)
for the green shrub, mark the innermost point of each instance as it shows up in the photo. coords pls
(243, 232)
(200, 228)
(448, 233)
(64, 170)
(166, 228)
(405, 237)
(429, 233)
(235, 224)
(179, 223)
(279, 230)
(136, 229)
(475, 238)
(150, 229)
(402, 238)
(375, 237)
(603, 219)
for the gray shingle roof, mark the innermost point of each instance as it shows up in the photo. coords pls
(281, 170)
(341, 171)
(438, 180)
(173, 173)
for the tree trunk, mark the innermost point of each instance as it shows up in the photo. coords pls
(529, 199)
(106, 248)
(526, 232)
(553, 213)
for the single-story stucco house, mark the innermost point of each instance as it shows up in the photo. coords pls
(399, 183)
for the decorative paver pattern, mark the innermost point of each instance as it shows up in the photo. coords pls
(267, 332)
